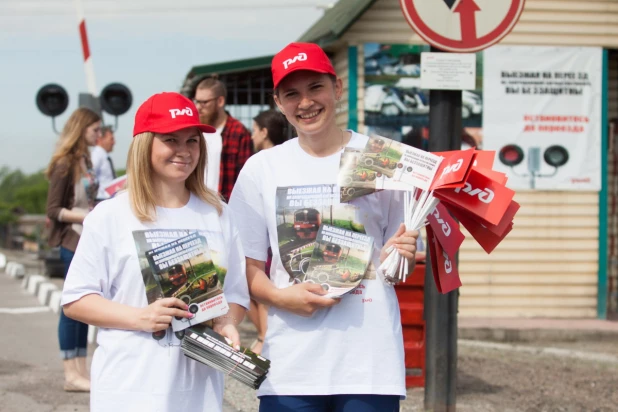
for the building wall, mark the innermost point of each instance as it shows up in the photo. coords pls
(548, 265)
(612, 185)
(543, 22)
(340, 62)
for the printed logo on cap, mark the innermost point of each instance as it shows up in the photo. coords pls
(300, 57)
(177, 112)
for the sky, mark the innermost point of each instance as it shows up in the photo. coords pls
(148, 45)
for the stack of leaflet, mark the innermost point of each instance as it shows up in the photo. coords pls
(438, 188)
(206, 346)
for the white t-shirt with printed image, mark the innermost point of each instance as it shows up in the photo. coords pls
(130, 370)
(214, 147)
(355, 347)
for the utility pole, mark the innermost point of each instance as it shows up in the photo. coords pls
(440, 313)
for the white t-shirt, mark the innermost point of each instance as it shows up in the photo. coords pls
(214, 147)
(102, 168)
(130, 370)
(355, 347)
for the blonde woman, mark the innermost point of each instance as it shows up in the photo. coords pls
(138, 364)
(72, 191)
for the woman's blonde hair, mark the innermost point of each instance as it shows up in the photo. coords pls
(72, 145)
(139, 180)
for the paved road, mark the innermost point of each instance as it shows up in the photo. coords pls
(31, 377)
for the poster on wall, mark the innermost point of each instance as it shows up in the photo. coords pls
(395, 104)
(543, 115)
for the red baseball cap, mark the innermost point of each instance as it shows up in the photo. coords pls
(166, 113)
(300, 56)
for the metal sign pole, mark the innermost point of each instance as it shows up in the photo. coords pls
(440, 313)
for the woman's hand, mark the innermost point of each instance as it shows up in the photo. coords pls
(158, 315)
(304, 299)
(405, 242)
(226, 326)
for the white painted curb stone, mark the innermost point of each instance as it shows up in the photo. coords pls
(24, 282)
(34, 282)
(54, 301)
(8, 267)
(44, 291)
(16, 270)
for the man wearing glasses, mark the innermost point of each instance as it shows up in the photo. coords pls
(228, 148)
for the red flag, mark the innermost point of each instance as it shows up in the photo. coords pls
(480, 196)
(484, 158)
(493, 175)
(446, 230)
(448, 275)
(433, 257)
(444, 268)
(454, 169)
(500, 228)
(484, 236)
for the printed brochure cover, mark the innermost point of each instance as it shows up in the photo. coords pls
(178, 263)
(339, 260)
(386, 164)
(300, 212)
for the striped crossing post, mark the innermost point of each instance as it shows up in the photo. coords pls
(88, 66)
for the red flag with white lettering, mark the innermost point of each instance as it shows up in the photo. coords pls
(444, 268)
(481, 196)
(454, 169)
(446, 230)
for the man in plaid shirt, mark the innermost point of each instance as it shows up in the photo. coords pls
(230, 147)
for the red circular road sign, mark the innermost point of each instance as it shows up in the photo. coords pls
(462, 25)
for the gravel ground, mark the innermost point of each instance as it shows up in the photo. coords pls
(492, 380)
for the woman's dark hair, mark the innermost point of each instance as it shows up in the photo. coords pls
(275, 123)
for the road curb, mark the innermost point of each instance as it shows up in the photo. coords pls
(33, 283)
(54, 301)
(15, 270)
(542, 350)
(515, 335)
(49, 295)
(45, 290)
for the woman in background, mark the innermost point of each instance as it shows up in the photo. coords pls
(270, 128)
(72, 192)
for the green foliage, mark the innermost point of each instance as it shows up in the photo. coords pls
(6, 214)
(18, 190)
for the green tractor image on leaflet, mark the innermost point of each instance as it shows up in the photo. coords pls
(359, 176)
(331, 272)
(376, 159)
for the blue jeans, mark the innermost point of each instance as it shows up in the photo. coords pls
(72, 334)
(330, 403)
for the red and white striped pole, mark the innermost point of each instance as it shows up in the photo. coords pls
(88, 66)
